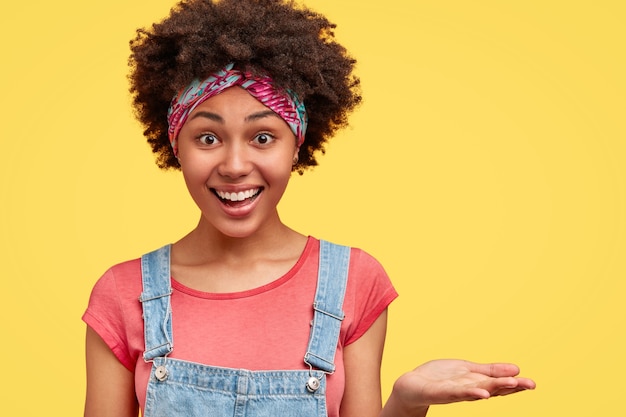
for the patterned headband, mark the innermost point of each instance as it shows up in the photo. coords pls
(284, 103)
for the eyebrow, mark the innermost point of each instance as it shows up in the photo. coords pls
(208, 115)
(260, 115)
(250, 118)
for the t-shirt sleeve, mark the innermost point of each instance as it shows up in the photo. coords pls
(369, 292)
(105, 315)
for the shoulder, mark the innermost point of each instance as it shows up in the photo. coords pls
(362, 263)
(368, 293)
(122, 278)
(116, 292)
(114, 311)
(367, 279)
(361, 260)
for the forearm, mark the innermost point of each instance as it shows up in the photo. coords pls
(395, 408)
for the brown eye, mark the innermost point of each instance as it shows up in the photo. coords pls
(207, 139)
(263, 138)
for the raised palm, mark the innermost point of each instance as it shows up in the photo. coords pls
(450, 380)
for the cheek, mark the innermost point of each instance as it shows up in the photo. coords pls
(194, 185)
(195, 175)
(279, 169)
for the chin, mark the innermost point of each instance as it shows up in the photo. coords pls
(239, 231)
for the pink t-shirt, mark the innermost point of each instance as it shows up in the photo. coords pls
(265, 328)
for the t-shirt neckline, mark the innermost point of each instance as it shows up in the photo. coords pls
(177, 286)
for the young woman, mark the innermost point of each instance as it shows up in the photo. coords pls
(245, 316)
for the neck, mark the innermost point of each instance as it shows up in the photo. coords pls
(205, 244)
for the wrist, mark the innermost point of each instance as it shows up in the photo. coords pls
(397, 407)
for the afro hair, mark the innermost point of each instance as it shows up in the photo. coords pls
(291, 43)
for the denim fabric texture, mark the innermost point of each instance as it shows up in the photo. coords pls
(181, 388)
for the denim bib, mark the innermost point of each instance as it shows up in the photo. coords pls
(181, 388)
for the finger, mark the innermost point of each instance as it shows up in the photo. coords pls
(495, 370)
(526, 383)
(508, 391)
(477, 393)
(456, 394)
(492, 388)
(506, 385)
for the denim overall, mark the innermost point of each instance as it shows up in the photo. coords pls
(182, 388)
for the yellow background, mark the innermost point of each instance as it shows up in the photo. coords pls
(485, 170)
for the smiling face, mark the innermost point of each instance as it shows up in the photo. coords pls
(236, 156)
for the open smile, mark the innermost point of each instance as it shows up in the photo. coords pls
(237, 197)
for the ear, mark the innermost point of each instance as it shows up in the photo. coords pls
(295, 155)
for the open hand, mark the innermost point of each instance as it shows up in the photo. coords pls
(449, 380)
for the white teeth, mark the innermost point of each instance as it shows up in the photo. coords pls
(240, 196)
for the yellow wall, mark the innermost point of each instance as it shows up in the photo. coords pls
(485, 170)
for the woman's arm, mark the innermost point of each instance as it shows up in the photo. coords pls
(110, 386)
(447, 381)
(435, 382)
(362, 360)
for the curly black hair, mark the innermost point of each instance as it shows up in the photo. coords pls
(291, 43)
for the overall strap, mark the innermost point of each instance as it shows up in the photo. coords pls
(155, 301)
(328, 312)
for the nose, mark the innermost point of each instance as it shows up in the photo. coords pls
(235, 161)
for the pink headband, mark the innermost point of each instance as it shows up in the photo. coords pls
(284, 103)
